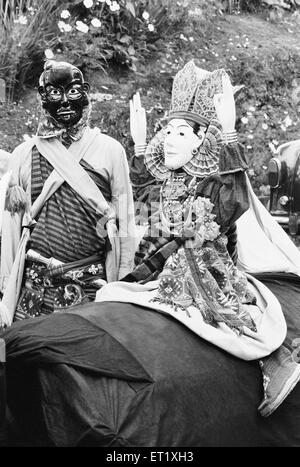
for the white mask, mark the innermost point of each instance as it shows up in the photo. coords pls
(180, 144)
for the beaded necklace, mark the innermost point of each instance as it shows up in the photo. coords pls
(176, 202)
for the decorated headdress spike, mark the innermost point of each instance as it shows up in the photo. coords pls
(193, 92)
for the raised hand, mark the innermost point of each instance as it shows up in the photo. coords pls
(138, 123)
(225, 106)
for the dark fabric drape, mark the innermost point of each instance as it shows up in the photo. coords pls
(116, 374)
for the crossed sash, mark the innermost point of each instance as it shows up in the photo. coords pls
(66, 169)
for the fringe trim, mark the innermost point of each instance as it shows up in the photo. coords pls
(16, 200)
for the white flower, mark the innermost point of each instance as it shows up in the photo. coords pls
(68, 28)
(65, 14)
(250, 136)
(82, 27)
(49, 54)
(287, 121)
(264, 126)
(191, 39)
(244, 120)
(151, 27)
(252, 109)
(61, 25)
(146, 15)
(22, 19)
(108, 2)
(64, 27)
(114, 6)
(88, 3)
(96, 23)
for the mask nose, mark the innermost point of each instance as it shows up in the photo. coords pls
(169, 139)
(64, 100)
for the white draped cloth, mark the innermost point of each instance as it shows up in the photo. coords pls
(263, 246)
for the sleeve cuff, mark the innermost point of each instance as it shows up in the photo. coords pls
(232, 159)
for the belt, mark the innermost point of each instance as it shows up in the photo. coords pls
(55, 267)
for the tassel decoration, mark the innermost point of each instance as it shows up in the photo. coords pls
(16, 200)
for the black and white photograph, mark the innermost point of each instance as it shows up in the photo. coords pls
(149, 226)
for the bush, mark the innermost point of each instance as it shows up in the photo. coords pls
(25, 31)
(254, 5)
(95, 34)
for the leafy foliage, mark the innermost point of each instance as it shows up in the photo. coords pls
(25, 29)
(255, 52)
(255, 5)
(102, 33)
(95, 34)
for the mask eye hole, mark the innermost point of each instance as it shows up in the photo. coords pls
(74, 93)
(54, 94)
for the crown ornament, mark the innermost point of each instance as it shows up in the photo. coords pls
(193, 94)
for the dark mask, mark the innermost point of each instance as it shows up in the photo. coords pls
(64, 93)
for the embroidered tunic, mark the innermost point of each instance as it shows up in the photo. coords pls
(183, 268)
(227, 191)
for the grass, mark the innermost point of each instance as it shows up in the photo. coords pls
(25, 30)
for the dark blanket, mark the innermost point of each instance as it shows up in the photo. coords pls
(114, 374)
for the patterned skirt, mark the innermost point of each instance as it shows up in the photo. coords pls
(45, 291)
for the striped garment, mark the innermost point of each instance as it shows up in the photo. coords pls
(66, 227)
(65, 230)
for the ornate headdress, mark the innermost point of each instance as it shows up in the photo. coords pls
(192, 100)
(193, 94)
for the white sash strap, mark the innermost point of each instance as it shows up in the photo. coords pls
(67, 168)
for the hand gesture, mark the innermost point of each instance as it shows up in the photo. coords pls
(225, 106)
(138, 123)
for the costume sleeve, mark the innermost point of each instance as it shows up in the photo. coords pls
(122, 200)
(228, 190)
(145, 186)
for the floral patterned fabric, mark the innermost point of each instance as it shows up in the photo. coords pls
(202, 273)
(47, 290)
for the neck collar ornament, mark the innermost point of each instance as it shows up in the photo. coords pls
(202, 165)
